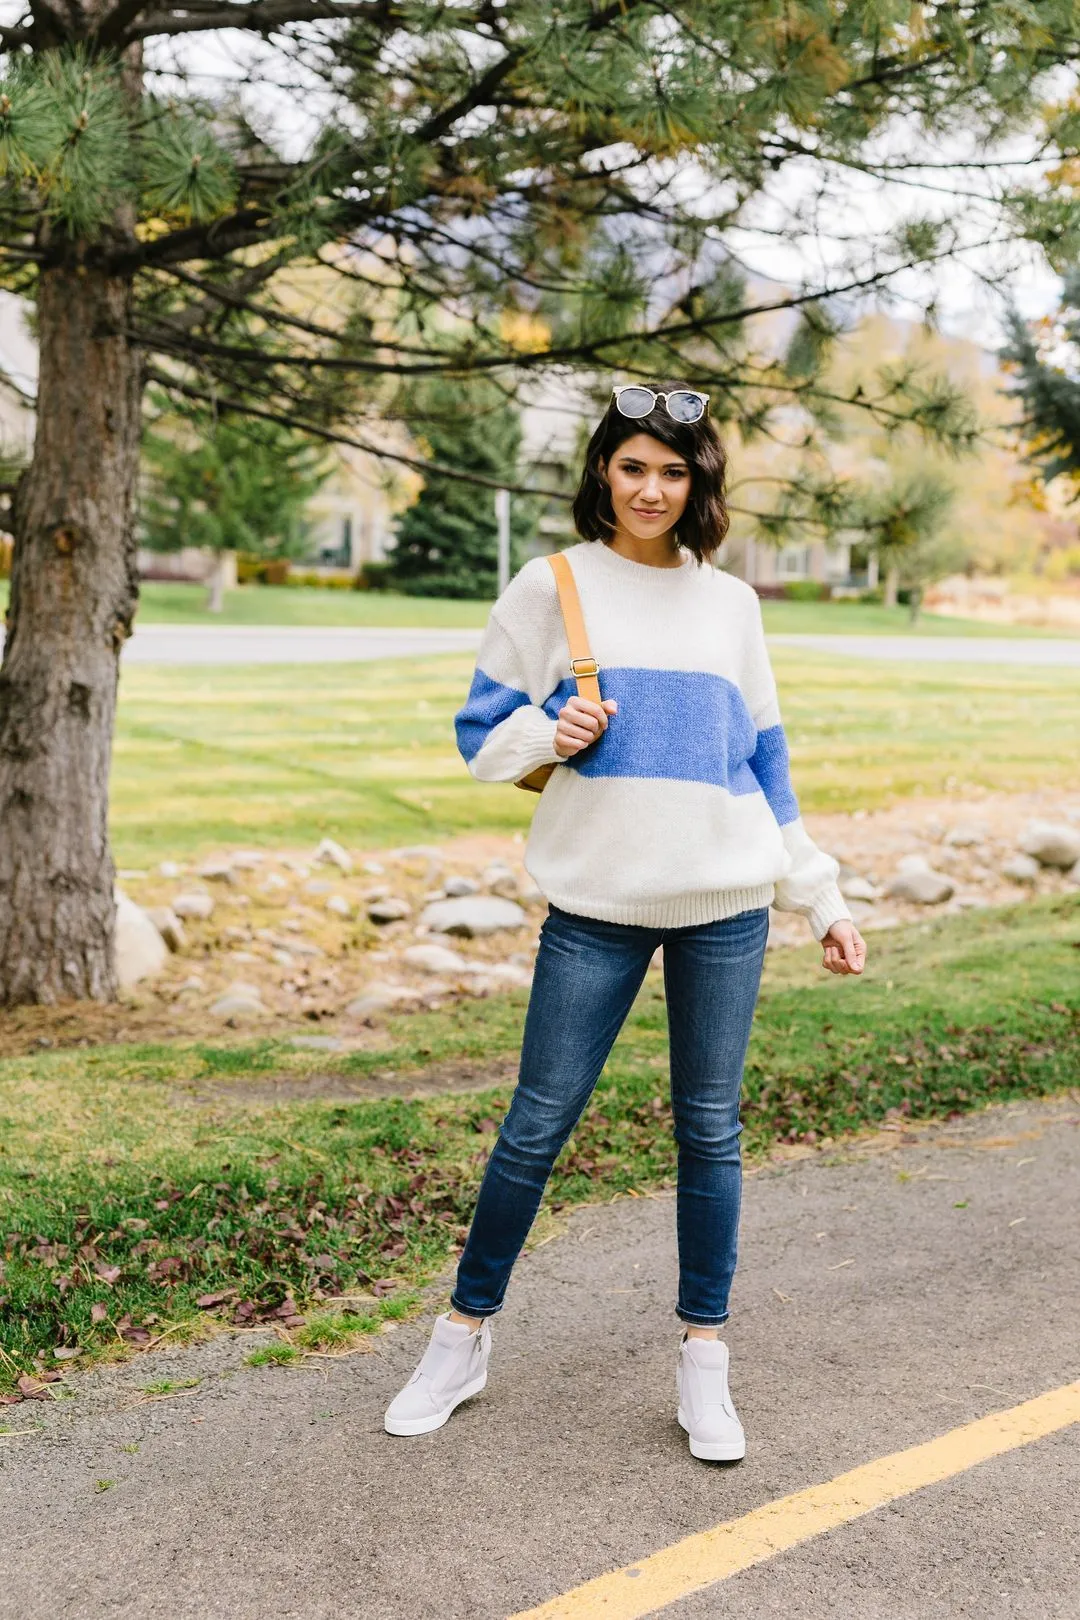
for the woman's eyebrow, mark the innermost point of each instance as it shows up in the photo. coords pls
(635, 461)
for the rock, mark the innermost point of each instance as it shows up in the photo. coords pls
(416, 852)
(240, 1001)
(964, 835)
(194, 905)
(435, 959)
(499, 878)
(317, 1043)
(376, 868)
(330, 853)
(302, 947)
(169, 869)
(271, 882)
(246, 860)
(190, 986)
(378, 996)
(473, 914)
(531, 894)
(317, 886)
(922, 885)
(217, 872)
(1074, 874)
(132, 872)
(455, 887)
(392, 909)
(857, 888)
(913, 863)
(507, 973)
(244, 956)
(168, 925)
(1051, 843)
(860, 910)
(282, 956)
(339, 906)
(141, 953)
(235, 931)
(1021, 869)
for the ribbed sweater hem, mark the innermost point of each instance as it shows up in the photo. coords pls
(679, 911)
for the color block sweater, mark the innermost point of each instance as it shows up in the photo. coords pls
(682, 811)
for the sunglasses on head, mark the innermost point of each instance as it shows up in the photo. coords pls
(683, 404)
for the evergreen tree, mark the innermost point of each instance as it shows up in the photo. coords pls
(446, 543)
(228, 484)
(1048, 383)
(498, 190)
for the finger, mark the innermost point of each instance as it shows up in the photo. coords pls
(585, 708)
(589, 722)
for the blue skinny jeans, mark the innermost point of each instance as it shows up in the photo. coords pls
(587, 976)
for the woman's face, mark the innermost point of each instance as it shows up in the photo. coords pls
(650, 486)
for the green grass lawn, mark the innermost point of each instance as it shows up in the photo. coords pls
(311, 605)
(138, 1179)
(366, 752)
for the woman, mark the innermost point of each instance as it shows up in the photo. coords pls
(672, 823)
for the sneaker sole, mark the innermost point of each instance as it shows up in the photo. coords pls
(426, 1425)
(713, 1450)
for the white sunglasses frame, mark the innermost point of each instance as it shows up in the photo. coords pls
(623, 388)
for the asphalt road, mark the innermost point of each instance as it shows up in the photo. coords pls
(886, 1295)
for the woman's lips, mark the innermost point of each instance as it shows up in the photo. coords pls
(638, 513)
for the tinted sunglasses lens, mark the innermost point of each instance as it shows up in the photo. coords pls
(685, 406)
(635, 401)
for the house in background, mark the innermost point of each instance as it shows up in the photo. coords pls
(18, 381)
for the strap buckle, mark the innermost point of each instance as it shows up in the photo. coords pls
(575, 671)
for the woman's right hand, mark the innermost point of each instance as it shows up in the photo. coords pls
(580, 722)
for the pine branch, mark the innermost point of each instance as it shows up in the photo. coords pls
(329, 436)
(263, 16)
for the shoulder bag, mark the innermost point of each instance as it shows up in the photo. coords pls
(583, 665)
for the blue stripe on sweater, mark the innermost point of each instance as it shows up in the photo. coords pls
(488, 704)
(684, 725)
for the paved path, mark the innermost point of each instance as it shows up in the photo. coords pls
(886, 1296)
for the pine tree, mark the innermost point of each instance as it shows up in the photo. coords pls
(446, 543)
(1048, 385)
(495, 190)
(228, 485)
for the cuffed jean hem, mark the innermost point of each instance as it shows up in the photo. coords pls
(470, 1310)
(694, 1320)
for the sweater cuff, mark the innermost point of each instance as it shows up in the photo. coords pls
(827, 907)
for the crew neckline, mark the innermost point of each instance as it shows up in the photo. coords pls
(649, 570)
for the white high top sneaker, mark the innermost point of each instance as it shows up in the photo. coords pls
(705, 1408)
(453, 1367)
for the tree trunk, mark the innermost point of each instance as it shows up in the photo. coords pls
(222, 573)
(892, 585)
(74, 589)
(915, 604)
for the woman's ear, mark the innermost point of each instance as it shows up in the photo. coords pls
(601, 467)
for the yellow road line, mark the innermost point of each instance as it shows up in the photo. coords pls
(714, 1555)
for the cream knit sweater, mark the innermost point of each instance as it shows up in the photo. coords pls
(682, 811)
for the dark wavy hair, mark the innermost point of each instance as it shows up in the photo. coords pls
(703, 525)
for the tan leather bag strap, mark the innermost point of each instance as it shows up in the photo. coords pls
(583, 665)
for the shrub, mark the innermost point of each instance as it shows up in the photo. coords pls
(806, 590)
(373, 576)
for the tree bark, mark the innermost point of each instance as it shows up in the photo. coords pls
(892, 585)
(74, 589)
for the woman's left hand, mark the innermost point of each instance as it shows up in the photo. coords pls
(845, 948)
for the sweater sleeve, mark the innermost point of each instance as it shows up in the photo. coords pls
(503, 729)
(810, 886)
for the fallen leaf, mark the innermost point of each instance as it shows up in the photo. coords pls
(108, 1274)
(206, 1302)
(99, 1312)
